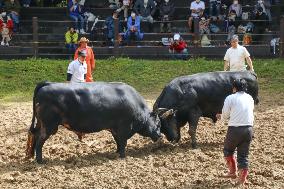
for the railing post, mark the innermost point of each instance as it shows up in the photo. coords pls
(282, 36)
(116, 39)
(196, 31)
(35, 37)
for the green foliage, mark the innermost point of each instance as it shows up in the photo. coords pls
(19, 77)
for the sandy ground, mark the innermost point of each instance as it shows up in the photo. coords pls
(94, 163)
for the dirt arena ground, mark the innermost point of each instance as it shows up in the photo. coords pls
(94, 164)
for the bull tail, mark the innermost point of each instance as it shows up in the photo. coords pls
(31, 137)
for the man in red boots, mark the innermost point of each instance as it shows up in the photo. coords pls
(238, 108)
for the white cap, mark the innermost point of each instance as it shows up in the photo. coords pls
(176, 36)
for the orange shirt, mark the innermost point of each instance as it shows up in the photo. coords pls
(90, 61)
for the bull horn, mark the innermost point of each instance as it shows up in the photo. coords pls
(160, 110)
(168, 113)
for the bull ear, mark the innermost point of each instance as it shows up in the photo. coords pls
(168, 113)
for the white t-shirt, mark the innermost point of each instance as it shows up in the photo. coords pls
(78, 70)
(236, 58)
(238, 108)
(195, 6)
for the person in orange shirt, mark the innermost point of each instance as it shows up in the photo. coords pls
(90, 58)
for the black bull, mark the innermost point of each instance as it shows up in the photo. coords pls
(185, 99)
(87, 108)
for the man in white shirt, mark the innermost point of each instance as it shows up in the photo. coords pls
(238, 108)
(77, 69)
(236, 56)
(197, 8)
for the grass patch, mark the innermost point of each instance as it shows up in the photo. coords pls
(19, 77)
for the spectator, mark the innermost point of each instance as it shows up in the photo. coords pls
(71, 39)
(75, 13)
(197, 8)
(265, 5)
(178, 48)
(109, 22)
(77, 69)
(204, 26)
(237, 8)
(6, 30)
(26, 3)
(236, 56)
(214, 8)
(238, 109)
(261, 23)
(90, 57)
(167, 9)
(125, 7)
(13, 9)
(133, 28)
(145, 9)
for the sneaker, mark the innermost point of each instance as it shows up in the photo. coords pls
(7, 44)
(2, 43)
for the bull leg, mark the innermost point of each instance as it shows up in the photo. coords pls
(121, 144)
(43, 134)
(193, 121)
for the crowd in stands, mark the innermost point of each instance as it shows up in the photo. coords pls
(211, 16)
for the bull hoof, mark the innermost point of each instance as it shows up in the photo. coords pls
(194, 145)
(41, 161)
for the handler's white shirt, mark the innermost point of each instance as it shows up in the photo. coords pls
(196, 6)
(236, 58)
(238, 108)
(78, 70)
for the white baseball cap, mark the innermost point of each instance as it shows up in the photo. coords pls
(176, 36)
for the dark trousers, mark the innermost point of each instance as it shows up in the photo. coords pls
(240, 138)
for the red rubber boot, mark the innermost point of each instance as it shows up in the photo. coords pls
(232, 166)
(243, 173)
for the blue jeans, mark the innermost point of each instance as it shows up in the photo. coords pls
(130, 35)
(183, 55)
(15, 18)
(76, 19)
(71, 47)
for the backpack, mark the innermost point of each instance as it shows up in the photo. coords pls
(205, 41)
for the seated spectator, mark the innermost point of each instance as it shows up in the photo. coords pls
(71, 39)
(26, 3)
(204, 26)
(237, 8)
(133, 28)
(75, 13)
(6, 30)
(167, 9)
(178, 48)
(265, 5)
(261, 25)
(125, 7)
(109, 22)
(197, 8)
(13, 9)
(145, 9)
(214, 8)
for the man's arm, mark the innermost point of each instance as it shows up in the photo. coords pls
(226, 65)
(249, 62)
